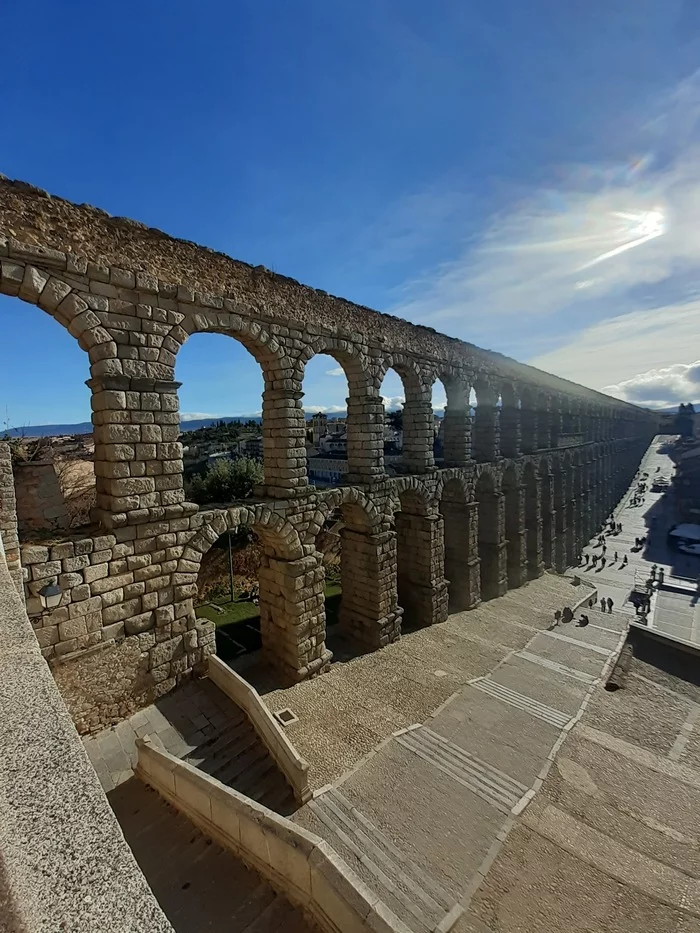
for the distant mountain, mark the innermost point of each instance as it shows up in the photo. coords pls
(85, 427)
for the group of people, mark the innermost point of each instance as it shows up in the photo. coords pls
(565, 616)
(601, 558)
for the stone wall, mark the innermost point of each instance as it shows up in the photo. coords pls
(8, 518)
(131, 297)
(40, 502)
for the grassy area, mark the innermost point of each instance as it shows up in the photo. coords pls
(245, 610)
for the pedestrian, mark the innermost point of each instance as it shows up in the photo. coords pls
(557, 617)
(591, 601)
(585, 559)
(602, 603)
(602, 561)
(619, 527)
(661, 576)
(567, 615)
(594, 560)
(583, 621)
(624, 561)
(652, 572)
(615, 558)
(605, 547)
(610, 605)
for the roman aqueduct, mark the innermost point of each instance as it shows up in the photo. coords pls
(523, 483)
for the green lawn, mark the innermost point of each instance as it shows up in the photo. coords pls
(246, 610)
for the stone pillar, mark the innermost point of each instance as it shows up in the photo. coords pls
(543, 423)
(515, 536)
(369, 611)
(457, 426)
(486, 445)
(561, 529)
(138, 458)
(292, 616)
(284, 440)
(528, 425)
(365, 434)
(8, 518)
(492, 546)
(533, 532)
(510, 427)
(548, 520)
(556, 426)
(422, 588)
(461, 554)
(418, 435)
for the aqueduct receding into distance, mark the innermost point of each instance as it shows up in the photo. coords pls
(523, 484)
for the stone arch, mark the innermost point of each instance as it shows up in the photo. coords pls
(457, 422)
(365, 411)
(418, 431)
(292, 615)
(547, 511)
(282, 415)
(421, 586)
(514, 526)
(486, 444)
(358, 511)
(533, 521)
(491, 536)
(460, 520)
(510, 415)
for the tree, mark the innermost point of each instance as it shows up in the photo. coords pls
(395, 419)
(225, 481)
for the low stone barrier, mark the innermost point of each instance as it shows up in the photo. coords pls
(243, 694)
(298, 864)
(64, 864)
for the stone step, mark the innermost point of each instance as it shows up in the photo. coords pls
(520, 701)
(483, 779)
(414, 897)
(199, 885)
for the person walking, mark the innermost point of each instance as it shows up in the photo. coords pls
(624, 561)
(610, 605)
(615, 558)
(557, 617)
(652, 572)
(661, 576)
(602, 561)
(602, 603)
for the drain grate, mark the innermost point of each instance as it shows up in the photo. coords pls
(286, 716)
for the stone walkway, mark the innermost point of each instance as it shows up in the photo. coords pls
(418, 819)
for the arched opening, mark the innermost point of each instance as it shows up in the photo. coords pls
(460, 523)
(393, 398)
(289, 592)
(228, 592)
(491, 539)
(326, 393)
(329, 544)
(486, 437)
(221, 419)
(421, 586)
(509, 421)
(408, 411)
(46, 420)
(546, 507)
(515, 527)
(455, 433)
(439, 406)
(533, 526)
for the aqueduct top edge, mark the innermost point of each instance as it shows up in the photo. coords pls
(34, 217)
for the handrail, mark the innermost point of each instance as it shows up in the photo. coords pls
(243, 694)
(296, 862)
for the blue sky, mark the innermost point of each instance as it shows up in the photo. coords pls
(522, 175)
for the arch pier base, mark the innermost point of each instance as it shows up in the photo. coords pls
(422, 587)
(369, 612)
(292, 616)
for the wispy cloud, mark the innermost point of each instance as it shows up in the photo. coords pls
(661, 388)
(337, 371)
(614, 237)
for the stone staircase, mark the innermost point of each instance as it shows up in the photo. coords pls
(419, 901)
(236, 757)
(199, 885)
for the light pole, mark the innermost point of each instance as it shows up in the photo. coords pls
(50, 595)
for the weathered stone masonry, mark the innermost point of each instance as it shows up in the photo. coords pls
(519, 490)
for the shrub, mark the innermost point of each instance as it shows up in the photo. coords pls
(225, 481)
